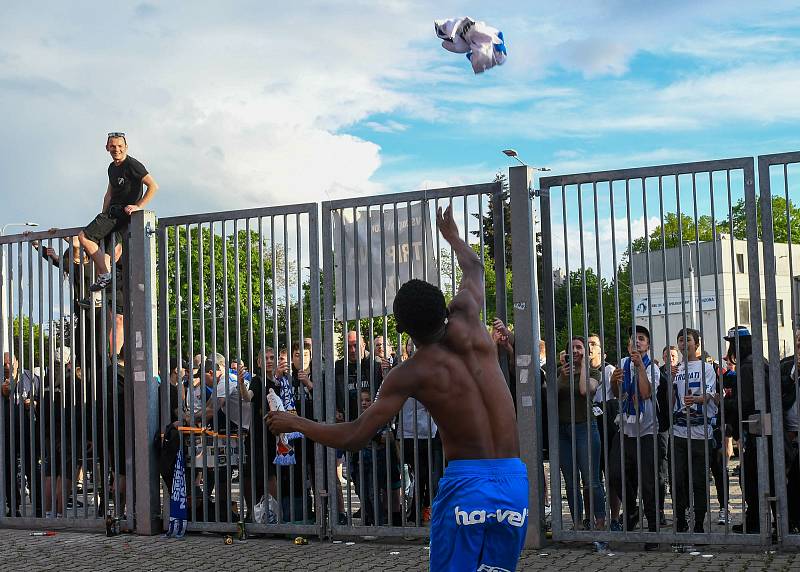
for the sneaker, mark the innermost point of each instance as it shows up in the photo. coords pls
(102, 282)
(600, 547)
(615, 526)
(724, 515)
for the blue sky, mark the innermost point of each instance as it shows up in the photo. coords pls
(250, 103)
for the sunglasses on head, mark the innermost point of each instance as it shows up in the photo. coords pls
(116, 134)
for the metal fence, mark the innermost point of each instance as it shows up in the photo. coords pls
(239, 290)
(373, 245)
(66, 445)
(672, 249)
(779, 184)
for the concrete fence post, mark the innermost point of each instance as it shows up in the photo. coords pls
(141, 343)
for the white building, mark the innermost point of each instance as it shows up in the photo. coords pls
(719, 300)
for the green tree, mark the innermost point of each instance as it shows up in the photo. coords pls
(487, 223)
(784, 217)
(226, 289)
(780, 224)
(674, 232)
(571, 309)
(31, 334)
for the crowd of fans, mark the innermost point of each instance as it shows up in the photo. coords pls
(660, 425)
(630, 436)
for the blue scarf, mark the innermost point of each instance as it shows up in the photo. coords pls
(177, 500)
(630, 384)
(285, 391)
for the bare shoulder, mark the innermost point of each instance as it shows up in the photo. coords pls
(466, 332)
(465, 305)
(404, 377)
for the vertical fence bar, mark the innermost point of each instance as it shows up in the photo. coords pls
(773, 348)
(322, 492)
(526, 321)
(163, 345)
(329, 312)
(6, 471)
(758, 345)
(142, 338)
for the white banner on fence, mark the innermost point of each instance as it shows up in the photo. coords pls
(395, 252)
(676, 304)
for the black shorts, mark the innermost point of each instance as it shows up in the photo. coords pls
(113, 221)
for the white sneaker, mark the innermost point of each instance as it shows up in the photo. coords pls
(724, 516)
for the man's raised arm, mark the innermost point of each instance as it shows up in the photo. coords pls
(471, 267)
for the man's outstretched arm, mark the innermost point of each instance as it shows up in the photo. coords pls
(471, 267)
(354, 435)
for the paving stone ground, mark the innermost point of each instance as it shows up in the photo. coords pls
(73, 551)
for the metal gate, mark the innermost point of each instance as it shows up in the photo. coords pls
(779, 200)
(373, 245)
(239, 316)
(667, 256)
(65, 446)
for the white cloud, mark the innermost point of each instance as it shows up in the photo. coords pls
(244, 113)
(242, 104)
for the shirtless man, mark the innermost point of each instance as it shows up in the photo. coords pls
(480, 512)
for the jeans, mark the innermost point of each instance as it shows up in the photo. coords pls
(588, 473)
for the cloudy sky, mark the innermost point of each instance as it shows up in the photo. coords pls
(248, 103)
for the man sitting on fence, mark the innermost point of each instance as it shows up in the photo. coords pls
(481, 509)
(124, 196)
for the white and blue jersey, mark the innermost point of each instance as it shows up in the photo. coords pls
(480, 516)
(699, 378)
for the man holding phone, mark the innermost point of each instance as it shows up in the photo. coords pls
(635, 383)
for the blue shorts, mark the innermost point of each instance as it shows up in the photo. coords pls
(480, 516)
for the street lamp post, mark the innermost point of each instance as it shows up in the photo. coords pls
(5, 316)
(692, 300)
(514, 155)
